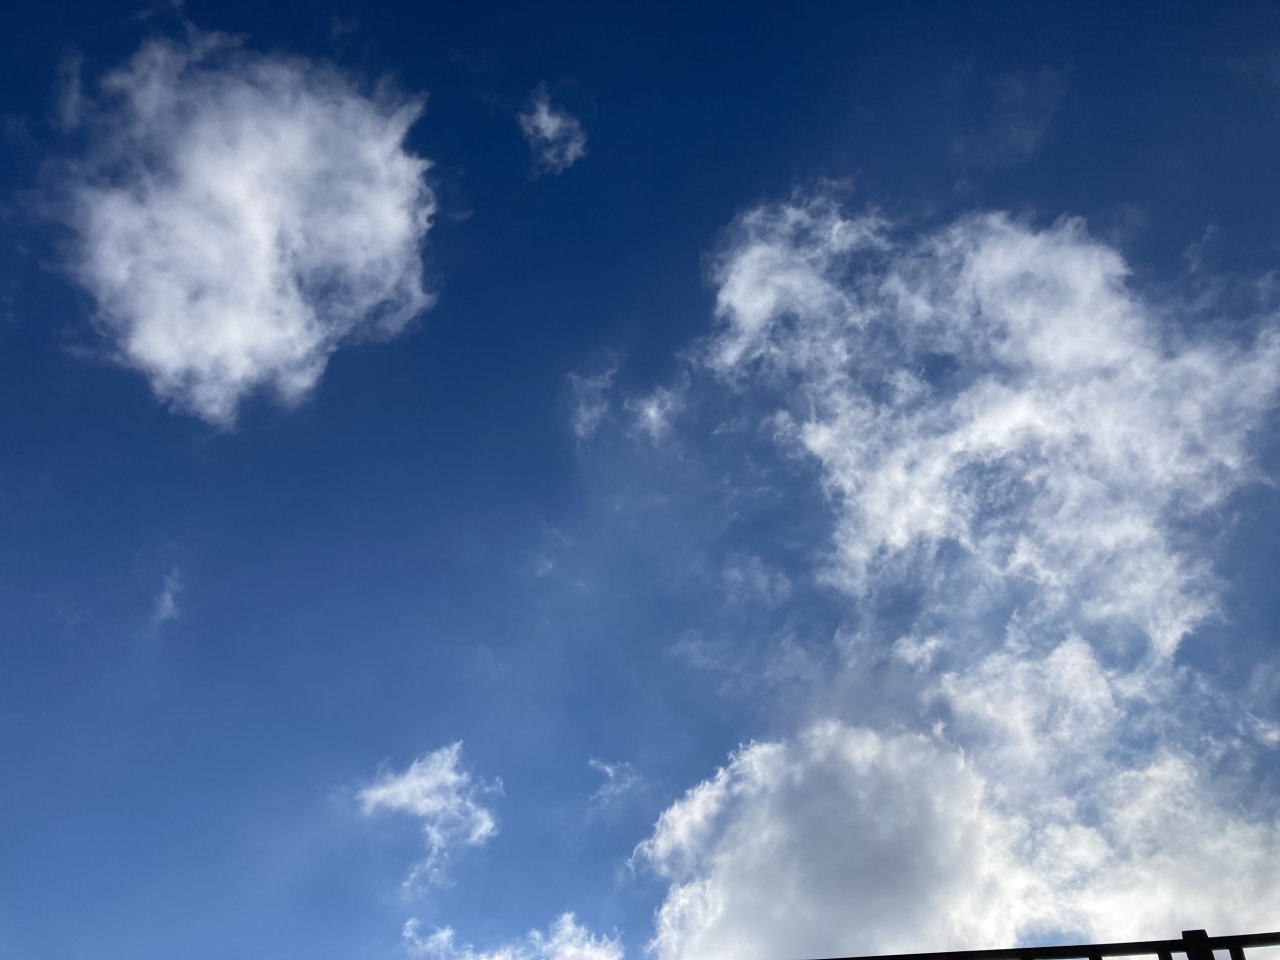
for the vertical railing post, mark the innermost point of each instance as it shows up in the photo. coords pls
(1197, 946)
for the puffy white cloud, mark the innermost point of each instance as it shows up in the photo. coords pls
(566, 939)
(441, 794)
(555, 136)
(845, 841)
(242, 216)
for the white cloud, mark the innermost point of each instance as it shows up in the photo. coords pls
(780, 263)
(842, 842)
(166, 602)
(653, 413)
(845, 841)
(1022, 457)
(998, 390)
(555, 136)
(619, 780)
(1196, 252)
(696, 651)
(242, 216)
(591, 405)
(437, 791)
(566, 939)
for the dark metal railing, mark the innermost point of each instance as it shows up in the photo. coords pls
(1196, 944)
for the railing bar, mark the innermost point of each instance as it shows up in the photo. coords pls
(1163, 949)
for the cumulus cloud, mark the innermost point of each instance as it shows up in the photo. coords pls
(848, 841)
(445, 798)
(1022, 459)
(841, 841)
(565, 939)
(555, 136)
(242, 216)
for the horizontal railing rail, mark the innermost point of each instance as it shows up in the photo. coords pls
(1196, 944)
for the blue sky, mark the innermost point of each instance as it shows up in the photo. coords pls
(565, 482)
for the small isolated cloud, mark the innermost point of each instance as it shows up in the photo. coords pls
(437, 791)
(696, 651)
(652, 414)
(554, 544)
(555, 136)
(566, 939)
(1196, 252)
(1022, 457)
(166, 602)
(242, 216)
(590, 400)
(619, 780)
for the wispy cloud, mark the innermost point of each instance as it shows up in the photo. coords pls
(242, 216)
(445, 798)
(590, 400)
(1017, 113)
(1021, 458)
(565, 939)
(166, 602)
(70, 95)
(1196, 252)
(653, 413)
(555, 136)
(747, 578)
(999, 389)
(619, 780)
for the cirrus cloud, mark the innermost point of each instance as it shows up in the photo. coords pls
(566, 939)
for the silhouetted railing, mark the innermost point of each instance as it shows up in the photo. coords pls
(1196, 944)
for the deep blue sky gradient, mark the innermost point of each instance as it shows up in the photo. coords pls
(359, 573)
